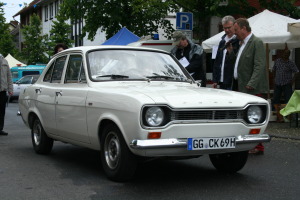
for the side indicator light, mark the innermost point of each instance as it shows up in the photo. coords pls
(254, 131)
(154, 135)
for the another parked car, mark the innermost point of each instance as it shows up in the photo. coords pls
(23, 83)
(132, 103)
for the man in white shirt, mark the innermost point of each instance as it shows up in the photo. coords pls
(224, 64)
(250, 72)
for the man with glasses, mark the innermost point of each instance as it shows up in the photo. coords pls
(224, 64)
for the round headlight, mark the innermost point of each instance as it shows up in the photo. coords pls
(254, 114)
(154, 116)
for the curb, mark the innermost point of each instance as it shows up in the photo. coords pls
(285, 137)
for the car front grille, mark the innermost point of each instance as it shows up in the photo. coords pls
(207, 115)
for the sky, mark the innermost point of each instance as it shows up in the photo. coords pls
(12, 7)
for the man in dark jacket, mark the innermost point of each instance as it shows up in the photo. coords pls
(189, 55)
(224, 64)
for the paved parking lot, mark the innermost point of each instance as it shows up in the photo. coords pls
(72, 172)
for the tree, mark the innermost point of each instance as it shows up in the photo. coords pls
(34, 44)
(203, 10)
(139, 16)
(145, 17)
(6, 40)
(60, 33)
(285, 7)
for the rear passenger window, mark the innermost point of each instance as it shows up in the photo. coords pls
(55, 71)
(58, 69)
(47, 77)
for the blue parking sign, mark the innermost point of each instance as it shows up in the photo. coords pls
(184, 21)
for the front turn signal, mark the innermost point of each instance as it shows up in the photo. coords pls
(154, 135)
(254, 131)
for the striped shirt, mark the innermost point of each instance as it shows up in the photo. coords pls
(284, 71)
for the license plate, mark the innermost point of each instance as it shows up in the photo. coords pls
(211, 143)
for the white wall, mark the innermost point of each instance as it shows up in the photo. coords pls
(214, 25)
(172, 19)
(47, 25)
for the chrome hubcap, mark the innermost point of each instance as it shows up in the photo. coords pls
(112, 150)
(37, 134)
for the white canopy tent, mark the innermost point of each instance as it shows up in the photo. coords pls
(271, 28)
(12, 62)
(294, 28)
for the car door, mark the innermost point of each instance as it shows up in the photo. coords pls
(46, 94)
(71, 102)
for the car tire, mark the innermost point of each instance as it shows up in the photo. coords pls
(118, 162)
(42, 144)
(229, 162)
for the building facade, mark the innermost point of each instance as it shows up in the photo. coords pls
(47, 10)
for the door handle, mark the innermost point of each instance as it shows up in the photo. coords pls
(58, 93)
(38, 90)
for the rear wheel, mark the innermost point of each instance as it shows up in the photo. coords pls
(118, 162)
(42, 144)
(229, 162)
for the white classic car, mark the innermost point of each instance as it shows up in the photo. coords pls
(132, 103)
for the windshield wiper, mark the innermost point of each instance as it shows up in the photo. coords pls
(114, 76)
(160, 76)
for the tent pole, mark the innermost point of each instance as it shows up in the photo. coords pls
(267, 68)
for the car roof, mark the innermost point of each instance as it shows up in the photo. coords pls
(108, 47)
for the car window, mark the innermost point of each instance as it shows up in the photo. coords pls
(55, 71)
(34, 79)
(25, 80)
(132, 64)
(47, 77)
(58, 69)
(75, 72)
(15, 74)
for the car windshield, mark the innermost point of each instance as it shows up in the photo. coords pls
(25, 80)
(134, 65)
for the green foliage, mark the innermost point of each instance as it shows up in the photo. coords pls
(284, 7)
(139, 16)
(60, 33)
(34, 44)
(145, 17)
(6, 40)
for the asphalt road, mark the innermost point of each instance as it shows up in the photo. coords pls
(75, 173)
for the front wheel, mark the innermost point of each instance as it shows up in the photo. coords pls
(42, 144)
(118, 162)
(229, 162)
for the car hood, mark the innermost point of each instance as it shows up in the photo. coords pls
(185, 95)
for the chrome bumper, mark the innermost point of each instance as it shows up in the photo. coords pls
(182, 143)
